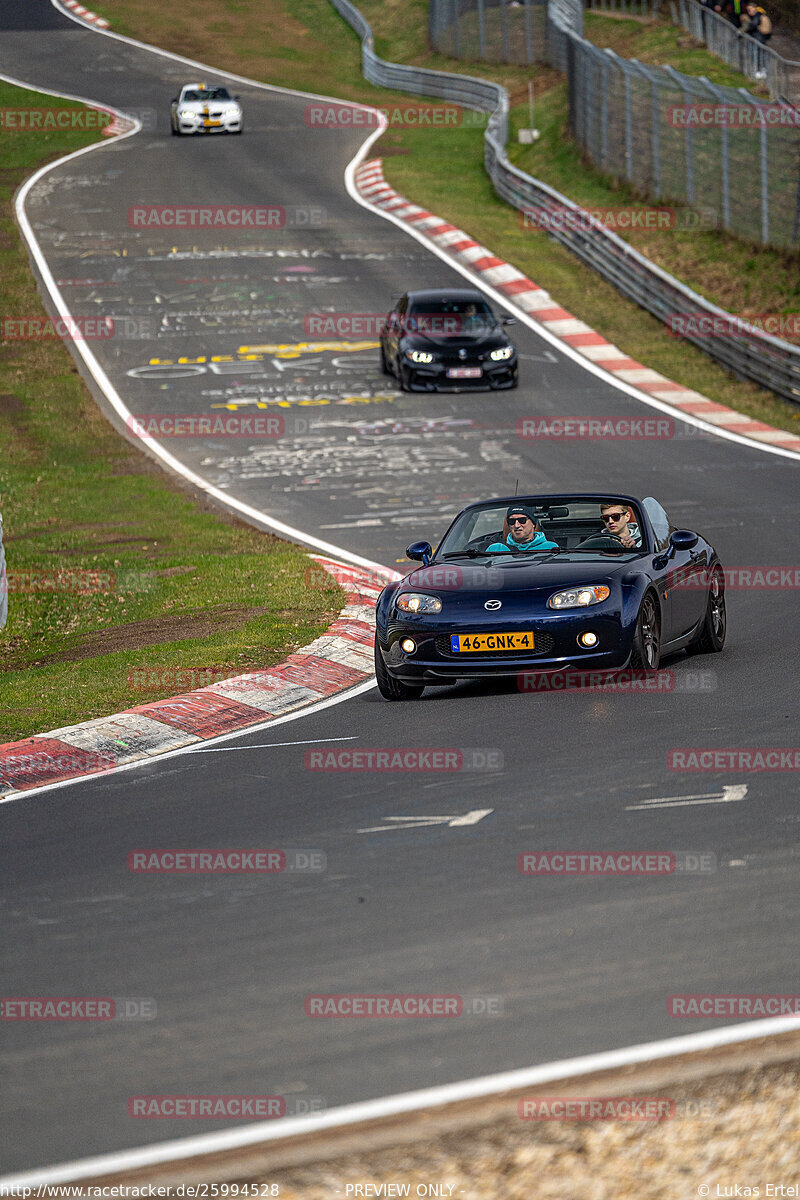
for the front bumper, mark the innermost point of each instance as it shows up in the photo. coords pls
(555, 640)
(432, 377)
(197, 125)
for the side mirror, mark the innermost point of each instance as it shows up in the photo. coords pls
(174, 100)
(420, 551)
(682, 539)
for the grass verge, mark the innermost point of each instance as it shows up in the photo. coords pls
(113, 568)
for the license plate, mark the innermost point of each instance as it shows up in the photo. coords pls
(460, 643)
(212, 122)
(464, 372)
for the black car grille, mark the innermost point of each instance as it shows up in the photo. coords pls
(543, 644)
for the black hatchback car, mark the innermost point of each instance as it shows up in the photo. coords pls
(452, 340)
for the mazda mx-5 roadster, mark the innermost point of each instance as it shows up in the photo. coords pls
(549, 583)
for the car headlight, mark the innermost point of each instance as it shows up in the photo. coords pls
(580, 597)
(185, 113)
(418, 602)
(419, 356)
(501, 354)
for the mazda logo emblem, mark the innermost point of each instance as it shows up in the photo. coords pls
(493, 605)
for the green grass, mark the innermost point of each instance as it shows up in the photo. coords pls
(154, 576)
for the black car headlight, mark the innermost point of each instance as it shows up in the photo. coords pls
(418, 602)
(503, 353)
(580, 597)
(419, 356)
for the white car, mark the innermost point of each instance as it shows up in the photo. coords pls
(205, 108)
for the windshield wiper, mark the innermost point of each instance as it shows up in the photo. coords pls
(472, 552)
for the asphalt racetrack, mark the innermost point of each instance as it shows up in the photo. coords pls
(571, 965)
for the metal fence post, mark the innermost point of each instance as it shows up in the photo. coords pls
(725, 154)
(504, 30)
(764, 167)
(655, 136)
(481, 29)
(530, 51)
(628, 124)
(606, 69)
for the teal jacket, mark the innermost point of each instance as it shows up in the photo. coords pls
(537, 542)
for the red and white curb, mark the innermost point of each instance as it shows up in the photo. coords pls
(339, 659)
(539, 304)
(85, 14)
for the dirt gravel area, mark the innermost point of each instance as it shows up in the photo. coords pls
(730, 1131)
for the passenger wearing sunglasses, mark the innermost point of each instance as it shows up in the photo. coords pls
(526, 532)
(618, 522)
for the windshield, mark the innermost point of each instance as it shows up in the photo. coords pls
(211, 93)
(564, 526)
(453, 318)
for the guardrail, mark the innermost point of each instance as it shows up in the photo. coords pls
(749, 353)
(743, 53)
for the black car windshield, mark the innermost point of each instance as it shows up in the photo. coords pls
(450, 318)
(565, 526)
(211, 93)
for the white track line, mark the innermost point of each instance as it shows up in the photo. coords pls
(390, 1106)
(153, 760)
(409, 1101)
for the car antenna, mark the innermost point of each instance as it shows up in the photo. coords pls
(516, 487)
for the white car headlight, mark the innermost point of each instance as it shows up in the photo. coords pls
(418, 602)
(501, 354)
(580, 597)
(419, 356)
(185, 113)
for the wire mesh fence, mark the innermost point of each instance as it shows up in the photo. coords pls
(499, 31)
(633, 8)
(724, 40)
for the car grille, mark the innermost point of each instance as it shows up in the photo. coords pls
(543, 644)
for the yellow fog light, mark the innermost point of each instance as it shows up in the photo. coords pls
(588, 640)
(408, 645)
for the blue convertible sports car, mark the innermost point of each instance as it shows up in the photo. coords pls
(593, 582)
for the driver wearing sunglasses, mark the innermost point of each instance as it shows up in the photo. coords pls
(618, 522)
(525, 532)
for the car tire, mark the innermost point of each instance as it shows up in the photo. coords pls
(710, 637)
(403, 378)
(646, 654)
(391, 688)
(385, 368)
(173, 130)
